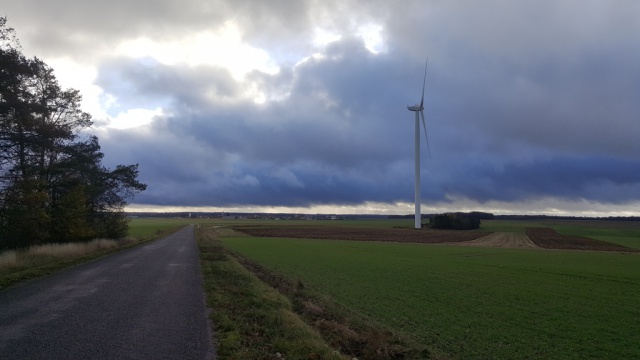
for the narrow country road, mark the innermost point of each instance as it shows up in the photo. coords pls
(143, 303)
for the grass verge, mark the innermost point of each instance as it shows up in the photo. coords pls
(252, 320)
(259, 314)
(22, 265)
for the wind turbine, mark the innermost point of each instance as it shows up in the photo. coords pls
(419, 110)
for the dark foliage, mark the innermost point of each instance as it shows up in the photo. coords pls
(53, 187)
(476, 215)
(455, 221)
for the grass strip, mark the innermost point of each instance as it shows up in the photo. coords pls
(248, 301)
(252, 320)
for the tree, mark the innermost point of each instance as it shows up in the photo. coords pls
(457, 221)
(106, 191)
(69, 218)
(53, 187)
(23, 219)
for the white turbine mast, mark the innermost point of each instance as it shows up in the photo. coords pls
(419, 110)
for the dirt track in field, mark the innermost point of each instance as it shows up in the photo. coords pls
(502, 240)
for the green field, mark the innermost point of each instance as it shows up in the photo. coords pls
(149, 227)
(475, 302)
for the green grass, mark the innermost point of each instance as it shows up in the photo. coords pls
(252, 320)
(474, 302)
(149, 227)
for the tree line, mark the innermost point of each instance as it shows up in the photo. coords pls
(459, 220)
(53, 186)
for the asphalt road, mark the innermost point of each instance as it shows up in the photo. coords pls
(143, 303)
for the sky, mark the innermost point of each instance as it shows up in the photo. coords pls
(531, 107)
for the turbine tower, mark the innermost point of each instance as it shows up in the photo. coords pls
(419, 110)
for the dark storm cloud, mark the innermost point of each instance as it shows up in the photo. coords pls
(146, 83)
(329, 143)
(524, 100)
(311, 148)
(596, 178)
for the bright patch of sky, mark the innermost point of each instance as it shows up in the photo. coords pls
(224, 48)
(546, 206)
(71, 74)
(372, 36)
(322, 37)
(94, 101)
(134, 118)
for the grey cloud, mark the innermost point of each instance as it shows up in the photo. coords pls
(596, 178)
(524, 101)
(148, 83)
(299, 151)
(82, 27)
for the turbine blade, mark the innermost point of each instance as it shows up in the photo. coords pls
(425, 132)
(424, 81)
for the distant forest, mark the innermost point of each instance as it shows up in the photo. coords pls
(53, 187)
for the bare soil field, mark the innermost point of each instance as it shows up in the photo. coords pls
(545, 238)
(502, 240)
(550, 239)
(427, 236)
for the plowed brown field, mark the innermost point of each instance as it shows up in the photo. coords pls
(427, 236)
(534, 238)
(550, 239)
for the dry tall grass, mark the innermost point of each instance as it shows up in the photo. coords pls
(8, 259)
(37, 254)
(72, 249)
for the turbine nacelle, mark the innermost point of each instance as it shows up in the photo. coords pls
(415, 108)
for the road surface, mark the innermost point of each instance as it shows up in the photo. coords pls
(143, 303)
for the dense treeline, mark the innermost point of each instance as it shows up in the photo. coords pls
(456, 221)
(53, 187)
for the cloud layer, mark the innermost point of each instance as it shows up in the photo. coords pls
(525, 101)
